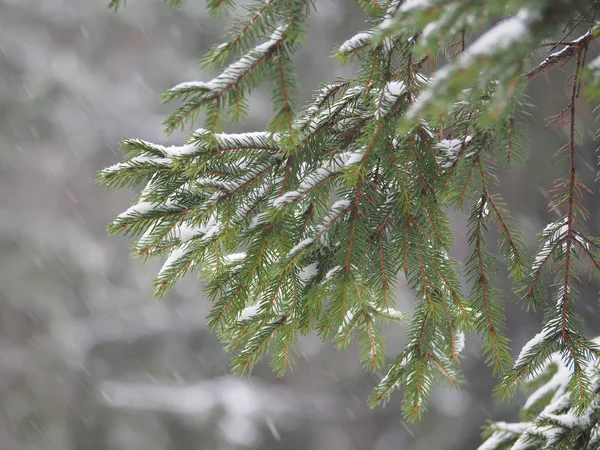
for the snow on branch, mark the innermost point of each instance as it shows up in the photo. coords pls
(392, 92)
(497, 40)
(335, 200)
(562, 56)
(229, 88)
(233, 73)
(409, 5)
(358, 41)
(316, 177)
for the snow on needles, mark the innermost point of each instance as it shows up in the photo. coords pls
(501, 36)
(331, 273)
(135, 161)
(505, 432)
(354, 158)
(229, 76)
(142, 208)
(392, 92)
(357, 41)
(175, 255)
(557, 385)
(415, 4)
(315, 177)
(537, 339)
(592, 65)
(248, 312)
(286, 198)
(179, 150)
(308, 272)
(451, 146)
(459, 342)
(334, 211)
(186, 232)
(394, 89)
(450, 150)
(300, 246)
(250, 139)
(497, 39)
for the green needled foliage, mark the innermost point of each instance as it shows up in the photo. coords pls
(551, 419)
(308, 225)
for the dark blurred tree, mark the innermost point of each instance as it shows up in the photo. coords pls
(307, 226)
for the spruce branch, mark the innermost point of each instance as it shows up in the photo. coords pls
(485, 297)
(240, 75)
(561, 244)
(244, 32)
(570, 50)
(306, 226)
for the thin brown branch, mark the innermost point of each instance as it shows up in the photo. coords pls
(372, 349)
(444, 371)
(561, 57)
(571, 202)
(500, 220)
(353, 218)
(262, 343)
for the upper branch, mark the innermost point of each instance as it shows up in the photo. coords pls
(571, 49)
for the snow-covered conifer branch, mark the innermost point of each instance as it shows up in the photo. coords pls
(552, 419)
(306, 226)
(244, 74)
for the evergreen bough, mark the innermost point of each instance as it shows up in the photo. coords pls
(306, 226)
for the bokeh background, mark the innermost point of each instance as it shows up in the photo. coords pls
(88, 360)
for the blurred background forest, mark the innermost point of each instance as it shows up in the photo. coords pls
(88, 360)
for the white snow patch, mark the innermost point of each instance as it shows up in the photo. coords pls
(215, 229)
(452, 146)
(175, 255)
(138, 209)
(186, 232)
(248, 312)
(179, 150)
(234, 257)
(415, 4)
(141, 159)
(450, 149)
(538, 338)
(308, 272)
(287, 197)
(257, 220)
(354, 158)
(233, 72)
(499, 38)
(485, 209)
(595, 64)
(504, 432)
(300, 246)
(394, 89)
(392, 92)
(502, 35)
(249, 139)
(358, 40)
(331, 273)
(190, 85)
(459, 342)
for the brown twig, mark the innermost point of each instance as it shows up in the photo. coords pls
(561, 57)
